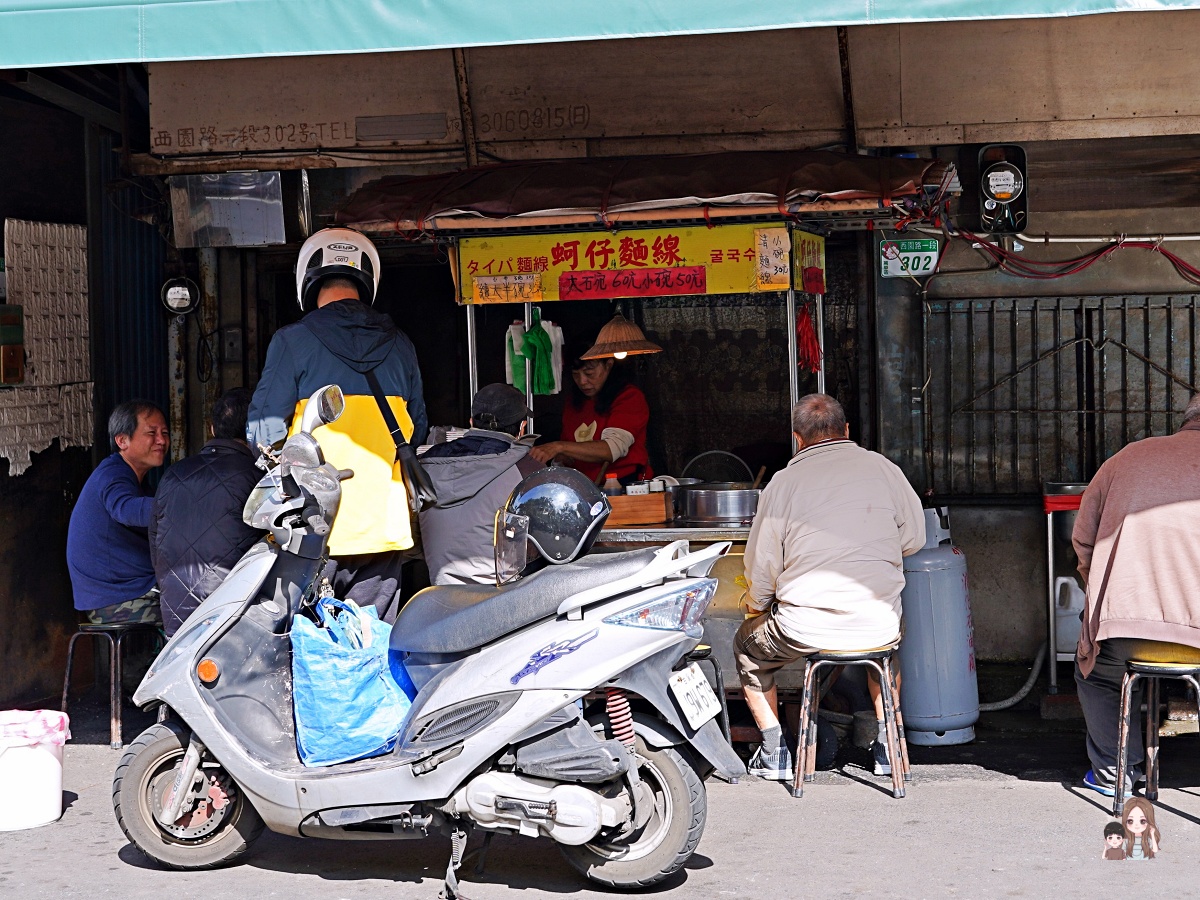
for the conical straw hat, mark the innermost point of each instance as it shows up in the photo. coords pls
(620, 336)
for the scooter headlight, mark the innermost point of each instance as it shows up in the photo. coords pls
(678, 611)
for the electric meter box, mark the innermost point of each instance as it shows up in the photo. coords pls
(1003, 194)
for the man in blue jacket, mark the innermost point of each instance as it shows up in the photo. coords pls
(108, 554)
(196, 531)
(341, 340)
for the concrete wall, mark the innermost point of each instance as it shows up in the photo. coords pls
(1006, 568)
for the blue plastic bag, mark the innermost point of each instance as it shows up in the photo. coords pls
(350, 702)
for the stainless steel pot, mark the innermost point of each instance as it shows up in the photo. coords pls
(718, 503)
(674, 492)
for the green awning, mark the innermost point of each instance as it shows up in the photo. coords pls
(69, 32)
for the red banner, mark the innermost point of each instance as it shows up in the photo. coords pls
(614, 284)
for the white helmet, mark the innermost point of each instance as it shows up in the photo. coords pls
(336, 252)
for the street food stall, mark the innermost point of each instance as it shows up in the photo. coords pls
(657, 239)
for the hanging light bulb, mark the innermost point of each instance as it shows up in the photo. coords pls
(618, 339)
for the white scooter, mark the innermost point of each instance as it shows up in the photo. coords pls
(563, 705)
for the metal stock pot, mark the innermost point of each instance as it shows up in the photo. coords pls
(718, 503)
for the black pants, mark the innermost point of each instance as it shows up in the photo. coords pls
(372, 579)
(1100, 697)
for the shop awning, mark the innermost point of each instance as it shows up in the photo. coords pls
(810, 185)
(70, 32)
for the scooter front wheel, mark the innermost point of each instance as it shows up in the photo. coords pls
(668, 839)
(212, 830)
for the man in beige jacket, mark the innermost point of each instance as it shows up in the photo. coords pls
(824, 563)
(1136, 537)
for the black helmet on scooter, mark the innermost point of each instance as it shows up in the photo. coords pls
(558, 510)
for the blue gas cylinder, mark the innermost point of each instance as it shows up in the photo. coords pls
(939, 694)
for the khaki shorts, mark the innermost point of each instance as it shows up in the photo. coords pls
(761, 649)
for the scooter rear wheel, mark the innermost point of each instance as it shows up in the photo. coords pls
(204, 837)
(668, 839)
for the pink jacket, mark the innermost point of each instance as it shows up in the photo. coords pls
(1138, 541)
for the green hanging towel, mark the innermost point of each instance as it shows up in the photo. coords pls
(537, 348)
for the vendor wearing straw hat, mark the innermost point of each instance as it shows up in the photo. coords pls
(605, 416)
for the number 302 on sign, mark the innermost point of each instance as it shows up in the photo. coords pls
(901, 259)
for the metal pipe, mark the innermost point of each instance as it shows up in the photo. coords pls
(528, 371)
(1106, 239)
(209, 323)
(177, 332)
(1081, 238)
(820, 307)
(1052, 627)
(472, 354)
(793, 354)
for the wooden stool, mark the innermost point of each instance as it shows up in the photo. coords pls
(115, 635)
(1152, 671)
(878, 658)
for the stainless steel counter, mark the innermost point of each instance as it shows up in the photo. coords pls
(664, 534)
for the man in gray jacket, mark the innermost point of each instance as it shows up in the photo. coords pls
(474, 476)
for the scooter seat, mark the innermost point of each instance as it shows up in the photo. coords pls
(458, 618)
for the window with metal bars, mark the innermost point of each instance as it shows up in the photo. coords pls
(1025, 391)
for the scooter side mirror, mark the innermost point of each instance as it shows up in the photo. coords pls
(323, 407)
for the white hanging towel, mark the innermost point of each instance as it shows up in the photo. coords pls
(514, 340)
(556, 352)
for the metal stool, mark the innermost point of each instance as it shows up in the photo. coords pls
(115, 635)
(703, 653)
(878, 658)
(1152, 672)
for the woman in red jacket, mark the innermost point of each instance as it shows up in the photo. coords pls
(604, 421)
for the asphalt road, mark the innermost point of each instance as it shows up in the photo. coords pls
(1001, 819)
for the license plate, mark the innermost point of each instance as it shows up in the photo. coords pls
(695, 696)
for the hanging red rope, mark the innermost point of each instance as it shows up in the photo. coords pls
(808, 346)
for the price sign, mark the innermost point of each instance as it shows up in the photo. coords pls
(900, 259)
(772, 268)
(523, 288)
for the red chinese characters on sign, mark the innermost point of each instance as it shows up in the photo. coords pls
(666, 251)
(565, 252)
(602, 285)
(632, 253)
(599, 253)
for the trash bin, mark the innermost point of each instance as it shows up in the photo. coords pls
(31, 752)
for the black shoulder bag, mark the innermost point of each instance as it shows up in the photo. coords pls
(417, 484)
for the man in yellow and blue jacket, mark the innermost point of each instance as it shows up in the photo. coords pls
(338, 341)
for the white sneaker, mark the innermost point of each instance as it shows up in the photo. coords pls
(775, 766)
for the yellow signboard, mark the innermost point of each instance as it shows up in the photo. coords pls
(600, 265)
